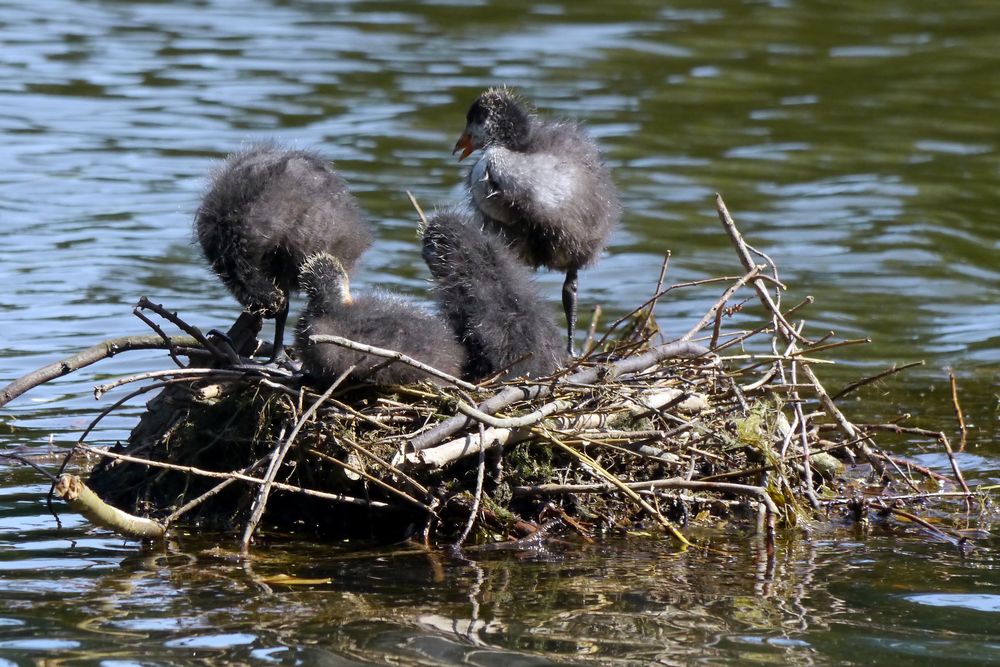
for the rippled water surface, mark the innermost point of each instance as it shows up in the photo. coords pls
(855, 142)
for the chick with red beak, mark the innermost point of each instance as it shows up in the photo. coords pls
(542, 186)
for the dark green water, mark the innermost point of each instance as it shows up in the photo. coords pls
(855, 142)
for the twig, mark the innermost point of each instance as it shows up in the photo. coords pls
(656, 292)
(874, 378)
(477, 498)
(716, 309)
(186, 373)
(454, 450)
(958, 409)
(672, 483)
(743, 253)
(191, 470)
(172, 347)
(74, 362)
(193, 331)
(788, 332)
(954, 462)
(371, 478)
(215, 490)
(395, 356)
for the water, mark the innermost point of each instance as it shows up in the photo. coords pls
(855, 142)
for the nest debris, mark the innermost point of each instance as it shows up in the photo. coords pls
(634, 435)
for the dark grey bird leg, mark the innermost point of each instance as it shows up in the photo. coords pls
(569, 307)
(278, 355)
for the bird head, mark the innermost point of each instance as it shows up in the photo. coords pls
(497, 117)
(323, 278)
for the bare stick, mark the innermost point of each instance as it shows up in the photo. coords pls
(395, 356)
(145, 304)
(371, 478)
(477, 498)
(449, 452)
(103, 350)
(958, 409)
(874, 378)
(744, 255)
(954, 463)
(717, 307)
(656, 292)
(188, 373)
(72, 489)
(215, 490)
(789, 333)
(191, 470)
(515, 422)
(172, 347)
(803, 429)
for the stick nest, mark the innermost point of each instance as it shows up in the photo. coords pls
(735, 428)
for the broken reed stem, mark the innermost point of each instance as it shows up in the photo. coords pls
(394, 356)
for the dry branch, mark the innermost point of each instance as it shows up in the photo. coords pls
(74, 362)
(72, 489)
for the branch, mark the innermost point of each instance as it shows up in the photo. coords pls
(103, 350)
(72, 489)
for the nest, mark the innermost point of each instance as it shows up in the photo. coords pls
(635, 435)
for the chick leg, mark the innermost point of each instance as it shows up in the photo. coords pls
(569, 297)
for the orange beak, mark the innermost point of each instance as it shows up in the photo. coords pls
(465, 143)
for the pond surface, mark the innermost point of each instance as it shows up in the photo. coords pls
(855, 142)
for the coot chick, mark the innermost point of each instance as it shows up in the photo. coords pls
(267, 209)
(490, 300)
(542, 185)
(379, 319)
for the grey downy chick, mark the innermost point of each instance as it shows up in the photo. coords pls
(378, 319)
